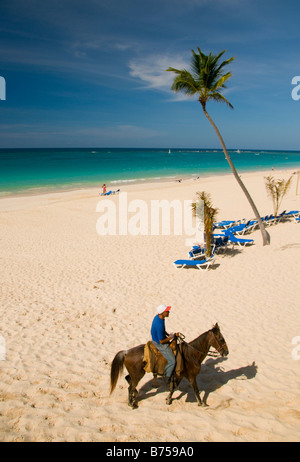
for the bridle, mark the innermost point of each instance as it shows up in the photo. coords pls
(219, 347)
(180, 339)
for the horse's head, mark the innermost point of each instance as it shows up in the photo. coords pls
(218, 342)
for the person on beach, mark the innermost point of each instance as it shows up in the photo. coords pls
(161, 340)
(104, 189)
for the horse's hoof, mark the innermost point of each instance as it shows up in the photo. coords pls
(202, 404)
(134, 406)
(168, 401)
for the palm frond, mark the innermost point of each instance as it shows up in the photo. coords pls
(205, 77)
(220, 83)
(184, 82)
(216, 96)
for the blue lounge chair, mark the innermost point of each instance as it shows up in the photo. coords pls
(196, 252)
(297, 220)
(195, 263)
(110, 192)
(243, 228)
(106, 194)
(221, 241)
(238, 240)
(199, 252)
(225, 224)
(239, 229)
(281, 216)
(270, 220)
(292, 214)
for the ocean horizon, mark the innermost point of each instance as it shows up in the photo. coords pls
(49, 169)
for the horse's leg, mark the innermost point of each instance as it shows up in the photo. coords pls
(133, 380)
(196, 390)
(175, 381)
(135, 366)
(133, 390)
(130, 394)
(154, 382)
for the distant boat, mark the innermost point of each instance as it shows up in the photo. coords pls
(169, 151)
(238, 151)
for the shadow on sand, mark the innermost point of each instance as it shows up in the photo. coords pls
(211, 378)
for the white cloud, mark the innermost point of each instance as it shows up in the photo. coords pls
(151, 71)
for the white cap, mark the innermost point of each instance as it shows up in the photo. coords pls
(162, 308)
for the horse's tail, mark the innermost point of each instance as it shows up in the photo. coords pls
(116, 369)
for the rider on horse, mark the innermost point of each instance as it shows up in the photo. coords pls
(161, 340)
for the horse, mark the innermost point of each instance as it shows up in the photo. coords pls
(193, 354)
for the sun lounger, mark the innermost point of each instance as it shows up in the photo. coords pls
(243, 228)
(292, 214)
(199, 252)
(281, 216)
(106, 194)
(270, 220)
(236, 229)
(250, 226)
(110, 192)
(297, 220)
(224, 224)
(239, 229)
(221, 242)
(238, 240)
(196, 252)
(195, 263)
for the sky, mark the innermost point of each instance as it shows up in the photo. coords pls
(92, 73)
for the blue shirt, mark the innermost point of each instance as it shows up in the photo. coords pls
(158, 330)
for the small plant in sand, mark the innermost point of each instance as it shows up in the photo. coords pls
(210, 214)
(277, 189)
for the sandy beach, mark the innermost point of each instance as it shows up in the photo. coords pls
(71, 299)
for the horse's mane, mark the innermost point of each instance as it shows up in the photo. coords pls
(197, 342)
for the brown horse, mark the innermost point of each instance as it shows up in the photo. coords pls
(193, 354)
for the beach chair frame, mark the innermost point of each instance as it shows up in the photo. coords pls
(200, 264)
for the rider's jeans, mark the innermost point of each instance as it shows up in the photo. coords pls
(167, 352)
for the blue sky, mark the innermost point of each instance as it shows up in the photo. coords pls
(91, 73)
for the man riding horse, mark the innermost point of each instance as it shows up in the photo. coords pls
(161, 339)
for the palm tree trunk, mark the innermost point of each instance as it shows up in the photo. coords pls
(264, 233)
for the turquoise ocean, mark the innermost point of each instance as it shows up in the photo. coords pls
(39, 170)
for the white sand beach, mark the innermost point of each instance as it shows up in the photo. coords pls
(71, 299)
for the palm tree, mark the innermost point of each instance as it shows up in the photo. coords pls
(207, 80)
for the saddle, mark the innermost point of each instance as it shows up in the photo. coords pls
(155, 362)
